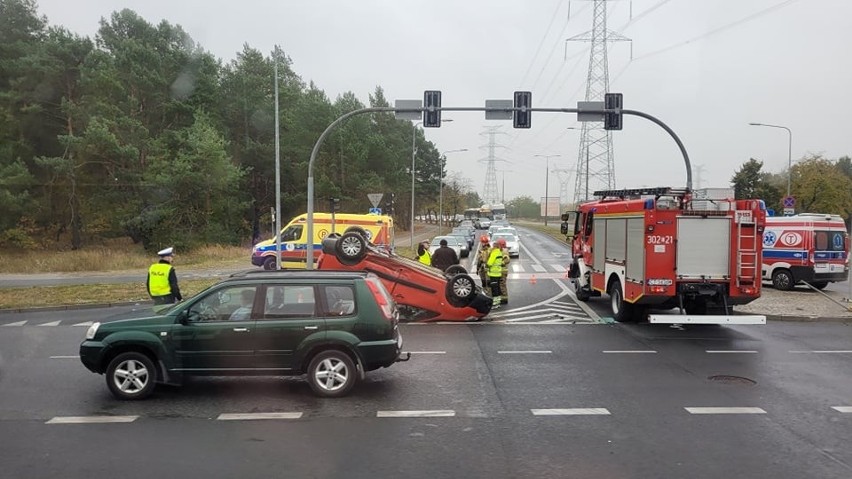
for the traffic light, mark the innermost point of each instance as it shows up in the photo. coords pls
(335, 204)
(522, 118)
(389, 203)
(612, 121)
(432, 103)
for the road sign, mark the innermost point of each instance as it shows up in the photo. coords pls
(590, 105)
(408, 115)
(503, 112)
(375, 211)
(789, 211)
(375, 198)
(789, 202)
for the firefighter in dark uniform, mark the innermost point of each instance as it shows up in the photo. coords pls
(481, 259)
(162, 281)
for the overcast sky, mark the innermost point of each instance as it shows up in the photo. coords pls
(705, 67)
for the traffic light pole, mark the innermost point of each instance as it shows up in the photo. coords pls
(362, 111)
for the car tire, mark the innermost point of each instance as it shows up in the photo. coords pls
(782, 280)
(351, 248)
(460, 290)
(454, 270)
(622, 311)
(269, 263)
(131, 376)
(332, 374)
(359, 230)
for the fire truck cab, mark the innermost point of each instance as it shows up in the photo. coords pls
(663, 248)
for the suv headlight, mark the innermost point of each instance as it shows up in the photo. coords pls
(90, 333)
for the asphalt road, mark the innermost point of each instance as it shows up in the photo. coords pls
(501, 400)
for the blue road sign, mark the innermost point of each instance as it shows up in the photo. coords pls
(789, 202)
(375, 211)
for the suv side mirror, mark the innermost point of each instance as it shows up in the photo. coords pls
(563, 228)
(186, 316)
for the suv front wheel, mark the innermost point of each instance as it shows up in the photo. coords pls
(332, 373)
(131, 376)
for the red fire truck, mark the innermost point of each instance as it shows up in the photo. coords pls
(664, 248)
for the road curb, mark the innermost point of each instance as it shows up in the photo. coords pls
(71, 307)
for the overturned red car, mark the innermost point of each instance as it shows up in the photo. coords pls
(423, 293)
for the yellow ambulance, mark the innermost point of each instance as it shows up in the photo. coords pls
(377, 228)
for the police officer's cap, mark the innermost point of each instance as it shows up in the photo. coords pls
(166, 252)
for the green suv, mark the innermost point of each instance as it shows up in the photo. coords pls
(331, 326)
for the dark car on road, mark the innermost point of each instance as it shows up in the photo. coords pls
(331, 326)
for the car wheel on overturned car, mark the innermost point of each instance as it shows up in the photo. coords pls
(460, 290)
(454, 270)
(350, 248)
(332, 373)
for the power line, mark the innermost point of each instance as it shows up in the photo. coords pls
(641, 15)
(543, 38)
(553, 49)
(720, 29)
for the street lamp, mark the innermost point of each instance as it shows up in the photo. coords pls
(546, 182)
(413, 151)
(789, 150)
(441, 193)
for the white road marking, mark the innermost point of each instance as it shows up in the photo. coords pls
(431, 413)
(525, 352)
(731, 351)
(90, 419)
(843, 409)
(725, 410)
(19, 323)
(839, 351)
(538, 268)
(65, 357)
(427, 352)
(85, 324)
(517, 268)
(558, 267)
(646, 351)
(258, 415)
(583, 411)
(52, 323)
(530, 255)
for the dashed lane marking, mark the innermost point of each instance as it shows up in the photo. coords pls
(19, 323)
(731, 351)
(583, 411)
(65, 357)
(52, 323)
(83, 324)
(839, 351)
(258, 416)
(429, 413)
(91, 419)
(725, 410)
(843, 409)
(641, 351)
(427, 352)
(525, 352)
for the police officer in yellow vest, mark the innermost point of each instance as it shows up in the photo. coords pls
(162, 280)
(494, 267)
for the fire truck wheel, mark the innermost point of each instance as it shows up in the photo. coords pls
(782, 280)
(583, 295)
(622, 311)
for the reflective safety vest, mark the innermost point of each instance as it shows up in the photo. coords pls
(158, 279)
(425, 258)
(495, 263)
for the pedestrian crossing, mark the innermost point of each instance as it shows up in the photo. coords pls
(558, 311)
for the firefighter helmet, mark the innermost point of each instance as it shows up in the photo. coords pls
(501, 243)
(483, 239)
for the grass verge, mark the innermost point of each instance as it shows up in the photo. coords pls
(43, 296)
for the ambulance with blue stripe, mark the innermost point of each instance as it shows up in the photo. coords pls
(808, 247)
(378, 229)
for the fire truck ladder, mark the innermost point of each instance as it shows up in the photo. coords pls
(747, 267)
